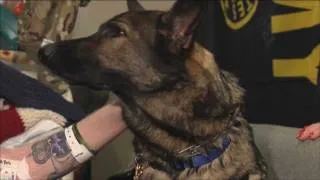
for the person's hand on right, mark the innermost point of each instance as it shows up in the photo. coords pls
(311, 132)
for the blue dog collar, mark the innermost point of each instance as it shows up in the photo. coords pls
(201, 159)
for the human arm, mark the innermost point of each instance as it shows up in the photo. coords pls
(51, 157)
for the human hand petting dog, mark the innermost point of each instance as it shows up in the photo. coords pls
(56, 153)
(310, 132)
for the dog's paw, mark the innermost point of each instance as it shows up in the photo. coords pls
(259, 172)
(256, 177)
(263, 168)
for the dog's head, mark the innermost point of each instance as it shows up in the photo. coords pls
(137, 50)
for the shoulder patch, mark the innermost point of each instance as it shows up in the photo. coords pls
(238, 13)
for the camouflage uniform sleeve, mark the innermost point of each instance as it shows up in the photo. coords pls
(46, 20)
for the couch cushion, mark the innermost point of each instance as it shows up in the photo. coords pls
(288, 158)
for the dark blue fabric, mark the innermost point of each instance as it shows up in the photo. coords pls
(199, 160)
(24, 91)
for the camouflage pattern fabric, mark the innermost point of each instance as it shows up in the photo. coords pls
(47, 20)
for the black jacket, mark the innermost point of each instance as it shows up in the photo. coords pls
(274, 48)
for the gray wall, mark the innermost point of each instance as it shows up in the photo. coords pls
(117, 155)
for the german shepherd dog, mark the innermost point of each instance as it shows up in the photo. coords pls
(184, 111)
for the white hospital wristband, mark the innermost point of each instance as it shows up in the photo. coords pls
(78, 151)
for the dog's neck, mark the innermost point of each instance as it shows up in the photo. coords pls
(170, 121)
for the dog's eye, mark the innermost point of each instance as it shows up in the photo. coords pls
(114, 32)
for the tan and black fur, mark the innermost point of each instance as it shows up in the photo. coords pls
(174, 95)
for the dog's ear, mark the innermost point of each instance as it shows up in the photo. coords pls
(178, 25)
(134, 5)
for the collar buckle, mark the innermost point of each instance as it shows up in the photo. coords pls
(197, 159)
(191, 150)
